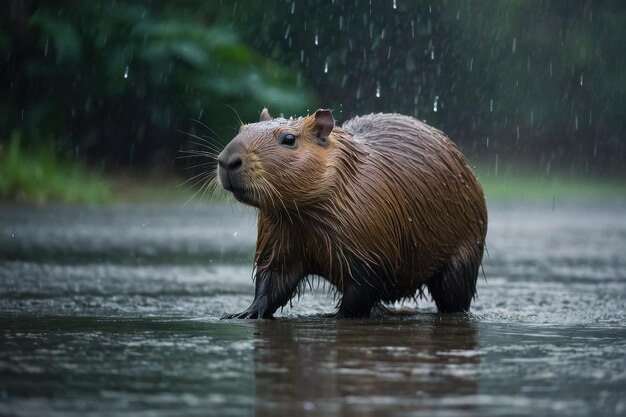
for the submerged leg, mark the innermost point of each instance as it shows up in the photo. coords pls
(360, 292)
(273, 289)
(455, 286)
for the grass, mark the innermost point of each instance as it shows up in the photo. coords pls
(528, 186)
(40, 175)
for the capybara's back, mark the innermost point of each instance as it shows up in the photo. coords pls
(431, 205)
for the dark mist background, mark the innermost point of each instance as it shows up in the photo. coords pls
(541, 84)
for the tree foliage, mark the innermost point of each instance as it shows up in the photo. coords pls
(117, 80)
(539, 81)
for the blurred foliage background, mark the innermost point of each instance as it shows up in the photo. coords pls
(117, 86)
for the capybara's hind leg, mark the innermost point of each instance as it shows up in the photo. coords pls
(455, 286)
(357, 300)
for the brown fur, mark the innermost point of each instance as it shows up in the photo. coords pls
(380, 208)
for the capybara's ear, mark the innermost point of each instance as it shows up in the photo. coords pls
(265, 115)
(324, 123)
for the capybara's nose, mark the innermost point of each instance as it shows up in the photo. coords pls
(233, 162)
(230, 158)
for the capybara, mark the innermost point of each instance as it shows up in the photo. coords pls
(381, 208)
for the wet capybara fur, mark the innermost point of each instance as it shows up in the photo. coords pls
(381, 208)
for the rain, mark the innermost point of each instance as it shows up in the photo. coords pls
(124, 257)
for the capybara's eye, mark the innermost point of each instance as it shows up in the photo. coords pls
(288, 139)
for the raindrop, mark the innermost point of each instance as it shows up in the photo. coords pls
(581, 80)
(471, 64)
(389, 53)
(491, 105)
(395, 6)
(432, 54)
(293, 7)
(126, 72)
(382, 34)
(235, 234)
(340, 23)
(576, 122)
(12, 234)
(436, 104)
(487, 142)
(413, 28)
(377, 89)
(514, 45)
(45, 51)
(326, 67)
(317, 40)
(550, 68)
(496, 168)
(517, 132)
(143, 224)
(200, 115)
(532, 118)
(301, 55)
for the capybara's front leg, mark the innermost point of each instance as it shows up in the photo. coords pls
(273, 289)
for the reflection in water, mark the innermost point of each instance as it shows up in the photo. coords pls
(363, 368)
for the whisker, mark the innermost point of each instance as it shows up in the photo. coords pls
(196, 152)
(238, 119)
(201, 165)
(192, 178)
(207, 127)
(207, 143)
(196, 193)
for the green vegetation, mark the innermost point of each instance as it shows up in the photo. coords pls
(113, 84)
(40, 175)
(521, 184)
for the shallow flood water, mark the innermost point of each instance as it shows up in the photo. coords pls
(107, 311)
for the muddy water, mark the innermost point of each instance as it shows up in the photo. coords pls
(110, 311)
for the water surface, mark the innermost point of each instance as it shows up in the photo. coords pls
(107, 311)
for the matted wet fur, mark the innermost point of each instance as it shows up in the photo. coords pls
(381, 208)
